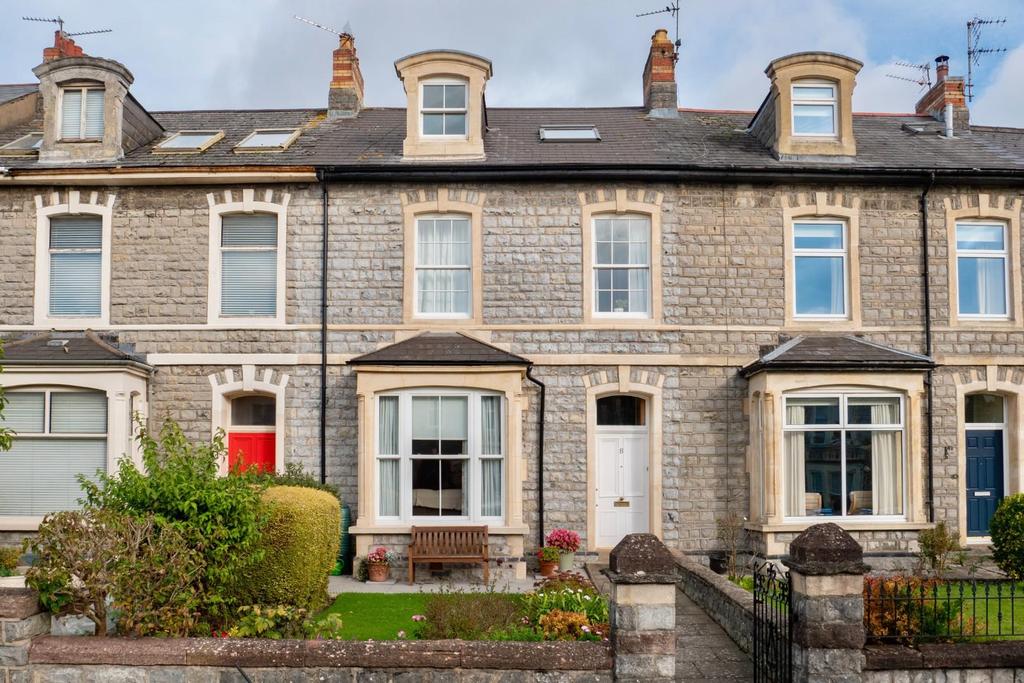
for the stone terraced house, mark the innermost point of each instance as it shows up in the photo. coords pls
(608, 319)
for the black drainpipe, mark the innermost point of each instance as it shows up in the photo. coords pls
(540, 458)
(323, 328)
(926, 276)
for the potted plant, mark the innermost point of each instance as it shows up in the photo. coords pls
(567, 542)
(378, 564)
(548, 556)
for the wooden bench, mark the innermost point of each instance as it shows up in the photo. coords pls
(448, 544)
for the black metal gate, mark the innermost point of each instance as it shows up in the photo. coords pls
(773, 626)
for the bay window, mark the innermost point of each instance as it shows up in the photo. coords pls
(440, 455)
(981, 266)
(843, 455)
(58, 434)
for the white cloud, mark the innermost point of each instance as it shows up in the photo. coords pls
(1001, 102)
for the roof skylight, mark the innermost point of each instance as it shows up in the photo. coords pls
(25, 144)
(268, 140)
(189, 141)
(569, 133)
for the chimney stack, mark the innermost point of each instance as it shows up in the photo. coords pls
(948, 91)
(660, 78)
(346, 95)
(63, 46)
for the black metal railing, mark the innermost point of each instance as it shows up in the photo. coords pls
(910, 609)
(773, 625)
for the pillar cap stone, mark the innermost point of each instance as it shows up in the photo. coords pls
(826, 550)
(641, 558)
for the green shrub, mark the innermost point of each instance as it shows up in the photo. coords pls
(1007, 532)
(300, 546)
(938, 548)
(9, 556)
(180, 486)
(284, 621)
(470, 616)
(98, 562)
(294, 475)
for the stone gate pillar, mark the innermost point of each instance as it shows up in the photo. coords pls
(643, 609)
(826, 572)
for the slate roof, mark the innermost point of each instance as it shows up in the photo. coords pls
(70, 348)
(841, 352)
(439, 348)
(15, 90)
(629, 139)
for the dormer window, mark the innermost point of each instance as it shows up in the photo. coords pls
(814, 108)
(81, 112)
(24, 145)
(443, 108)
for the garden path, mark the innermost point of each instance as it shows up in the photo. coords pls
(705, 652)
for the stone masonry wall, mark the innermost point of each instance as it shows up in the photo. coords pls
(723, 294)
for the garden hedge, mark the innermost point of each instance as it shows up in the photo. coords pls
(300, 543)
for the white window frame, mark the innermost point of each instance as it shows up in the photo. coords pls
(832, 102)
(214, 136)
(416, 267)
(73, 206)
(1003, 254)
(473, 458)
(243, 148)
(12, 148)
(443, 110)
(248, 204)
(597, 267)
(125, 390)
(81, 113)
(844, 252)
(842, 427)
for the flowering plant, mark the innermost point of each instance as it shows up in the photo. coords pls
(381, 556)
(565, 540)
(548, 553)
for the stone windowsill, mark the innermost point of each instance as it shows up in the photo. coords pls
(999, 655)
(797, 527)
(254, 652)
(406, 529)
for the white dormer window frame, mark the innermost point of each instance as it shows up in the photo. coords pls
(815, 100)
(165, 146)
(246, 146)
(19, 147)
(463, 110)
(83, 110)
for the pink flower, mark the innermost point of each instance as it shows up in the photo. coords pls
(585, 629)
(565, 540)
(418, 617)
(401, 635)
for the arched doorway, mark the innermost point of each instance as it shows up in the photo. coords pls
(622, 461)
(252, 433)
(985, 420)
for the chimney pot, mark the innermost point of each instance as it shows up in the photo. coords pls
(941, 68)
(947, 91)
(660, 99)
(346, 93)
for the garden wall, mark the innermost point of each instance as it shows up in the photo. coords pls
(725, 602)
(944, 662)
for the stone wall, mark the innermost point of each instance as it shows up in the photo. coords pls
(725, 602)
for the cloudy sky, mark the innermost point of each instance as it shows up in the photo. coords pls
(225, 54)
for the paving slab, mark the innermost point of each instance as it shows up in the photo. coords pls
(705, 651)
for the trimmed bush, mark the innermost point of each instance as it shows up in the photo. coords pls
(300, 546)
(1007, 531)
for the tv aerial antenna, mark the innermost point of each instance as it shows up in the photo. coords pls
(346, 31)
(974, 50)
(924, 74)
(672, 9)
(60, 26)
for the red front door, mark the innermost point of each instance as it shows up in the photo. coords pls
(252, 450)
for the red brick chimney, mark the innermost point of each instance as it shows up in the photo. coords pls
(660, 77)
(346, 96)
(946, 91)
(63, 46)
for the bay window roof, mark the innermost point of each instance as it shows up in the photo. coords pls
(71, 348)
(839, 352)
(440, 348)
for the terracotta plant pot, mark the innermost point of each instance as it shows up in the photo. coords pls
(547, 569)
(378, 572)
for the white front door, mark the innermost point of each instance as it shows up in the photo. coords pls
(622, 491)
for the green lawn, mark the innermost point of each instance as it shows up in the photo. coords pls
(1001, 615)
(377, 616)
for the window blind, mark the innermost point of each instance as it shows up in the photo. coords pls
(39, 475)
(93, 114)
(71, 114)
(249, 265)
(78, 413)
(76, 265)
(24, 412)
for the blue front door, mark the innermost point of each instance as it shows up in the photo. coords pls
(984, 478)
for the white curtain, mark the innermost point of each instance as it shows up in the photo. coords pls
(389, 484)
(490, 444)
(490, 488)
(490, 410)
(389, 487)
(991, 286)
(388, 420)
(886, 462)
(838, 285)
(796, 499)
